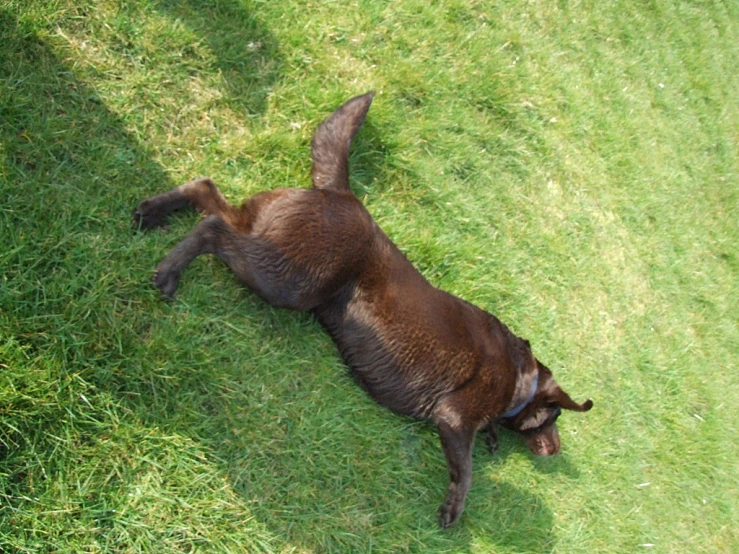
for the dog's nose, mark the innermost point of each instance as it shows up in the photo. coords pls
(544, 447)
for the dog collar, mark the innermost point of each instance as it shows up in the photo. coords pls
(517, 410)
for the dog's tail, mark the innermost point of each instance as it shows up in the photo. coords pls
(331, 141)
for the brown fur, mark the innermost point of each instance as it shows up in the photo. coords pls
(416, 349)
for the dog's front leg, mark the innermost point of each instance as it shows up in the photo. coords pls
(457, 444)
(203, 239)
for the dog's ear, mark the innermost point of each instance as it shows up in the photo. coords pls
(561, 398)
(555, 394)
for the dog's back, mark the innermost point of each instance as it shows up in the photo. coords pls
(407, 342)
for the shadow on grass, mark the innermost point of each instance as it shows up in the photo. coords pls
(247, 54)
(345, 475)
(71, 175)
(368, 160)
(556, 464)
(76, 288)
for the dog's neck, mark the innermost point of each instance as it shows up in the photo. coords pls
(513, 412)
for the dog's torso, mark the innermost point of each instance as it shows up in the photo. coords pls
(408, 343)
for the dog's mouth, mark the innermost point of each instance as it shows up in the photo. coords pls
(544, 441)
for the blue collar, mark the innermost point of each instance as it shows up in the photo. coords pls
(513, 412)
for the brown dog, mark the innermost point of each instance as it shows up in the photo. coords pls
(416, 349)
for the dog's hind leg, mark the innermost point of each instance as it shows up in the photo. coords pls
(203, 239)
(215, 235)
(202, 194)
(251, 258)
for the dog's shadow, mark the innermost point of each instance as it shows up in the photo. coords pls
(368, 159)
(366, 482)
(559, 464)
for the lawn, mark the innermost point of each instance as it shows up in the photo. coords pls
(571, 167)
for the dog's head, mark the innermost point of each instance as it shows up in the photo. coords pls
(537, 408)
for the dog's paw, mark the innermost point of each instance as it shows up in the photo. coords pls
(492, 443)
(147, 216)
(166, 281)
(448, 514)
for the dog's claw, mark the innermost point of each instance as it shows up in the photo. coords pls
(167, 282)
(447, 515)
(492, 443)
(491, 438)
(146, 217)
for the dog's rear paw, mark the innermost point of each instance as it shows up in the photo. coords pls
(147, 216)
(166, 281)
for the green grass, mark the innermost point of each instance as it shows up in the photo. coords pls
(569, 166)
